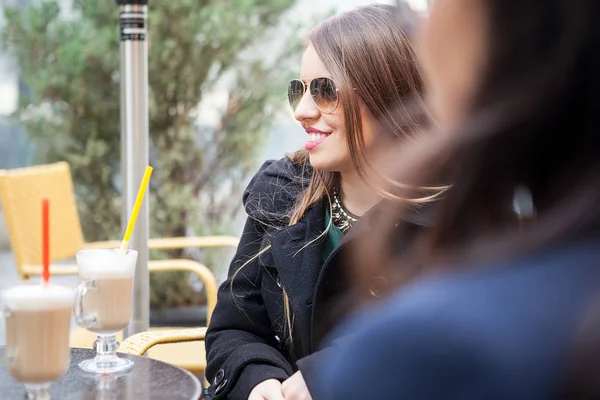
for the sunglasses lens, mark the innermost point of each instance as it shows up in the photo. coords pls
(295, 93)
(324, 94)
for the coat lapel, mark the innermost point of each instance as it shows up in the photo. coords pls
(297, 257)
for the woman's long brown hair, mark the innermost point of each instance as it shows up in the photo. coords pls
(372, 59)
(534, 123)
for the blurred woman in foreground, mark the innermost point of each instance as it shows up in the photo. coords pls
(493, 299)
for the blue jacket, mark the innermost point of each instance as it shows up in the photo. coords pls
(504, 331)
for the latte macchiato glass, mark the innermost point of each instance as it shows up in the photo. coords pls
(103, 303)
(38, 321)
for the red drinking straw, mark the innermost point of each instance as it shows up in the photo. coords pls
(45, 240)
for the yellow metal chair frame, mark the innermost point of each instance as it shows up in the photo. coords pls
(144, 342)
(21, 193)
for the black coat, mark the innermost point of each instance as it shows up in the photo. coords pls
(247, 340)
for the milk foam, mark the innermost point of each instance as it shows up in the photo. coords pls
(106, 264)
(38, 297)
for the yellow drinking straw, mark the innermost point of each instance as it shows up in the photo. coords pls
(136, 208)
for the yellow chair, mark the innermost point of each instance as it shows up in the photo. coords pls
(21, 192)
(171, 340)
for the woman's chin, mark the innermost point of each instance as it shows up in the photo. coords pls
(323, 164)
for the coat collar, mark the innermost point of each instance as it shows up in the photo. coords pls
(297, 251)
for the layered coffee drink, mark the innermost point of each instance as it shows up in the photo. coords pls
(38, 319)
(110, 303)
(103, 304)
(109, 294)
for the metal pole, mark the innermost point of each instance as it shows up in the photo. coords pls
(133, 16)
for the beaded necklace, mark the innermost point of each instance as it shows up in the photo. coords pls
(341, 217)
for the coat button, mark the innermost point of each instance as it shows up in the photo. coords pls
(219, 377)
(280, 343)
(220, 388)
(309, 304)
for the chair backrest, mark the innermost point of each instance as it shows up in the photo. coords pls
(21, 194)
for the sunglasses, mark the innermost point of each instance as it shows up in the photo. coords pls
(323, 92)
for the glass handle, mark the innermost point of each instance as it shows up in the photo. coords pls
(85, 321)
(10, 355)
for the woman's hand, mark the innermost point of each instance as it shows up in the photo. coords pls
(294, 388)
(267, 390)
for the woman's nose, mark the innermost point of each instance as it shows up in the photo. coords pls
(306, 109)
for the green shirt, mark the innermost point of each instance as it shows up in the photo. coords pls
(334, 237)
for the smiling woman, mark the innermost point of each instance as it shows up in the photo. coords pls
(287, 285)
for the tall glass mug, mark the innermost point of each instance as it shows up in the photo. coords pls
(103, 302)
(38, 322)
